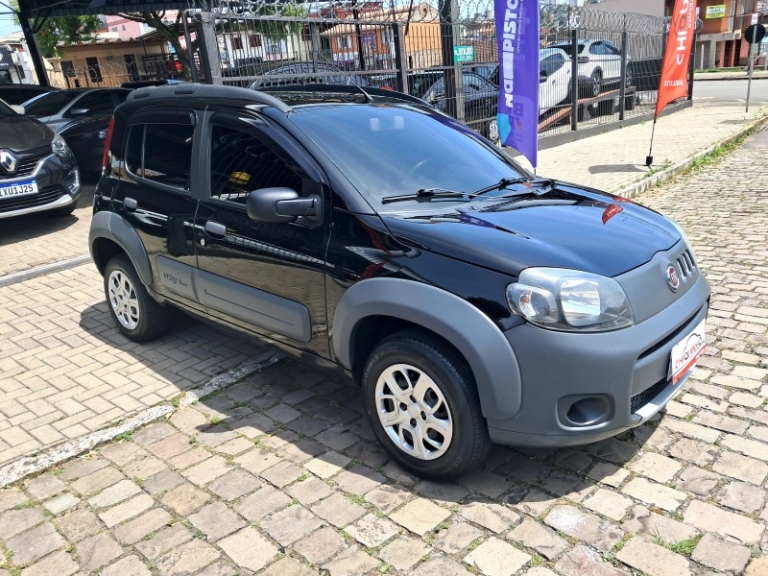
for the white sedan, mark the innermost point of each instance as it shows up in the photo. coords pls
(554, 78)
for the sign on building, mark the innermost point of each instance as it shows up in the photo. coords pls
(463, 54)
(717, 11)
(6, 60)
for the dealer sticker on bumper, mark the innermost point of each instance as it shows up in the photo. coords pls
(686, 353)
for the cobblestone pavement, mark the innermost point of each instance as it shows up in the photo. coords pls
(279, 475)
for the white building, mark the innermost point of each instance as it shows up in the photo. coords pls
(15, 63)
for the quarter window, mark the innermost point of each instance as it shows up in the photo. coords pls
(161, 153)
(241, 163)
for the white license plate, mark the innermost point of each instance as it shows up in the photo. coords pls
(687, 351)
(18, 189)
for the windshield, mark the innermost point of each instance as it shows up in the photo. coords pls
(386, 150)
(49, 103)
(568, 47)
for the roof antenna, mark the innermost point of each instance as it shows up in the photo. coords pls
(368, 97)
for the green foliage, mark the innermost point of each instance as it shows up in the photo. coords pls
(53, 33)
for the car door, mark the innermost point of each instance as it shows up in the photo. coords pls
(613, 59)
(554, 81)
(157, 195)
(268, 277)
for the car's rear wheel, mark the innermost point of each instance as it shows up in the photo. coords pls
(134, 311)
(422, 402)
(596, 83)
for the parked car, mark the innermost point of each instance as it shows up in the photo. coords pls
(86, 138)
(37, 170)
(554, 77)
(15, 94)
(307, 73)
(56, 109)
(370, 235)
(599, 64)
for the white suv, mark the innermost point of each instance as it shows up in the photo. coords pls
(599, 64)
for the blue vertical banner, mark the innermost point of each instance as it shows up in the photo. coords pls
(517, 33)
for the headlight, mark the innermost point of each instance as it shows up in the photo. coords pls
(59, 146)
(569, 300)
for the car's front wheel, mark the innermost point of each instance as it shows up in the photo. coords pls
(422, 402)
(136, 314)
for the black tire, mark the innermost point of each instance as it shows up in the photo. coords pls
(151, 319)
(469, 443)
(595, 83)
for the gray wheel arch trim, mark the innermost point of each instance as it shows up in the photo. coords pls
(114, 227)
(483, 345)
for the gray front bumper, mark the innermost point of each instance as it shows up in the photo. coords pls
(617, 366)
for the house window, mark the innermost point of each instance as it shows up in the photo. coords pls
(344, 42)
(254, 41)
(114, 28)
(123, 27)
(237, 43)
(68, 68)
(94, 70)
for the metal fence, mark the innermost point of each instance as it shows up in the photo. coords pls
(114, 74)
(596, 67)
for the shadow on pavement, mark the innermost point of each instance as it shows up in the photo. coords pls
(608, 168)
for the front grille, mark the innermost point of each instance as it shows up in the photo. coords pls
(641, 399)
(44, 196)
(671, 336)
(26, 166)
(686, 264)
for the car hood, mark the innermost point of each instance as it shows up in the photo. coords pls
(20, 133)
(565, 227)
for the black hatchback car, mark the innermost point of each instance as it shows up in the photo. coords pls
(368, 233)
(38, 172)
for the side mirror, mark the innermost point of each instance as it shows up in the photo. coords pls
(18, 109)
(79, 112)
(282, 205)
(542, 76)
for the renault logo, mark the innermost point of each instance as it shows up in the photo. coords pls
(8, 161)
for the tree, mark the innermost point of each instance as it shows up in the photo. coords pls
(52, 33)
(169, 32)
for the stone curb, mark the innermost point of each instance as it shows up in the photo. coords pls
(673, 171)
(28, 465)
(16, 277)
(728, 78)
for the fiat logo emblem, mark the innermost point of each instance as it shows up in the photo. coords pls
(672, 278)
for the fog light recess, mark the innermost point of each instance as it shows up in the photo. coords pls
(584, 410)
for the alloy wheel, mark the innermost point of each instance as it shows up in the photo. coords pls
(413, 412)
(123, 299)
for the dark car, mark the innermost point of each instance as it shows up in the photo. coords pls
(480, 96)
(86, 138)
(16, 94)
(372, 235)
(56, 109)
(307, 73)
(37, 170)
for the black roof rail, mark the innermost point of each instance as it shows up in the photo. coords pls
(344, 89)
(208, 91)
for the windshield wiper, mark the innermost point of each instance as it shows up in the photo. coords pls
(500, 185)
(424, 193)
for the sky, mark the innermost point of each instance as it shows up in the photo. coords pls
(7, 25)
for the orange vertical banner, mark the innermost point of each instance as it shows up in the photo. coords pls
(674, 72)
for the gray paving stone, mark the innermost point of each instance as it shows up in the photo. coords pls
(114, 494)
(359, 480)
(162, 482)
(653, 559)
(78, 525)
(585, 527)
(14, 522)
(539, 537)
(282, 473)
(56, 564)
(262, 503)
(440, 566)
(697, 480)
(583, 560)
(741, 467)
(742, 497)
(495, 517)
(234, 484)
(371, 531)
(656, 467)
(96, 481)
(136, 529)
(320, 546)
(216, 521)
(387, 497)
(403, 553)
(166, 539)
(309, 490)
(640, 520)
(290, 524)
(495, 557)
(61, 503)
(721, 555)
(420, 516)
(457, 537)
(249, 549)
(485, 483)
(351, 562)
(608, 503)
(708, 518)
(97, 551)
(288, 567)
(187, 558)
(655, 494)
(184, 499)
(33, 544)
(143, 468)
(128, 509)
(338, 510)
(568, 486)
(44, 486)
(128, 566)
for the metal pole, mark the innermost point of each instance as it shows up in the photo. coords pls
(314, 38)
(190, 52)
(209, 47)
(449, 32)
(751, 68)
(34, 48)
(358, 36)
(692, 68)
(574, 80)
(623, 87)
(402, 67)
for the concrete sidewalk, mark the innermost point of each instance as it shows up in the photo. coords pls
(757, 74)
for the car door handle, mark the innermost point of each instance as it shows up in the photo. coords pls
(215, 229)
(130, 204)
